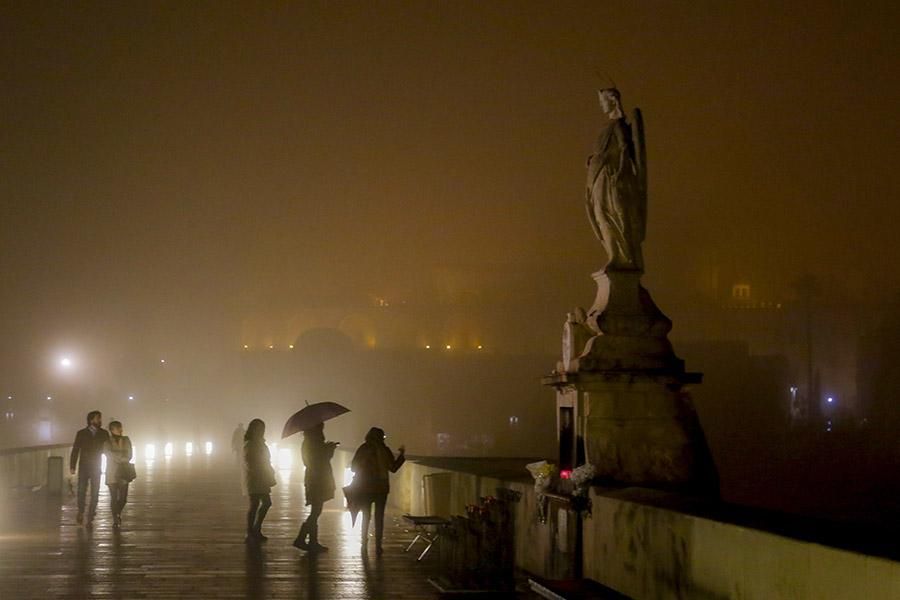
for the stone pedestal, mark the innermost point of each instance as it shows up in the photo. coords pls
(624, 393)
(636, 428)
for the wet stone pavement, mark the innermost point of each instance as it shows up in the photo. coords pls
(183, 536)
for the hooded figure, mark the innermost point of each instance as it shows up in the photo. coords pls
(372, 464)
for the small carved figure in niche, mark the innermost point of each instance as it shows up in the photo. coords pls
(575, 337)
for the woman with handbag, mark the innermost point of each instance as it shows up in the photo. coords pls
(119, 470)
(371, 466)
(259, 478)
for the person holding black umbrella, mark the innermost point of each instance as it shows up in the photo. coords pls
(371, 464)
(319, 484)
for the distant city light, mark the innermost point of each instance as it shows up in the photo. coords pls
(49, 397)
(149, 452)
(168, 450)
(830, 400)
(131, 397)
(208, 448)
(427, 346)
(271, 347)
(162, 361)
(188, 448)
(479, 346)
(291, 346)
(246, 346)
(65, 362)
(448, 347)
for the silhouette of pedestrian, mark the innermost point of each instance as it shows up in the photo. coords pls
(319, 484)
(87, 452)
(119, 470)
(259, 478)
(237, 441)
(371, 464)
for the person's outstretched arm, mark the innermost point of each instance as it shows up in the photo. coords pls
(398, 462)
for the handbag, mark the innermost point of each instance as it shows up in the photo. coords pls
(128, 472)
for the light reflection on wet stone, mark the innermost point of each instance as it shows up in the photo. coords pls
(183, 536)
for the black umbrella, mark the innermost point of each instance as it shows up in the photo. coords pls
(311, 415)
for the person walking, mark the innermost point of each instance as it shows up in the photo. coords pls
(86, 456)
(237, 442)
(259, 478)
(371, 464)
(319, 484)
(119, 470)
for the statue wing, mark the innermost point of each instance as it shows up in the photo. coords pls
(640, 157)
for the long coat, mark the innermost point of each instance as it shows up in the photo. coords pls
(118, 453)
(319, 480)
(259, 476)
(87, 450)
(371, 464)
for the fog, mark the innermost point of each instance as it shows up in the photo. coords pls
(370, 185)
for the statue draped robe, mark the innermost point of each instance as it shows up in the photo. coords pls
(616, 198)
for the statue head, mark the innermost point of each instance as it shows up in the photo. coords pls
(611, 102)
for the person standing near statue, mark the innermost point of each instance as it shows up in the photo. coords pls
(86, 456)
(616, 192)
(372, 465)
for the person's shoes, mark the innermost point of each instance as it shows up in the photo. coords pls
(80, 518)
(379, 550)
(301, 544)
(117, 521)
(316, 547)
(259, 535)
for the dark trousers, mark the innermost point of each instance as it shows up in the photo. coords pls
(310, 528)
(118, 496)
(85, 476)
(379, 500)
(256, 513)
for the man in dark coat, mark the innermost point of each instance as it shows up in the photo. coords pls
(87, 452)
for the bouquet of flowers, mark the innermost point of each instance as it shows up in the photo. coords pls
(581, 478)
(543, 472)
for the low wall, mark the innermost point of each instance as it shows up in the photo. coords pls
(27, 467)
(647, 551)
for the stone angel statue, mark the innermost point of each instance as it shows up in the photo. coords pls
(616, 192)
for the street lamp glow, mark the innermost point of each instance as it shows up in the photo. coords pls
(285, 458)
(149, 452)
(65, 362)
(131, 397)
(208, 448)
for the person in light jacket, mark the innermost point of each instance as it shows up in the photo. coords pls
(118, 452)
(259, 478)
(371, 465)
